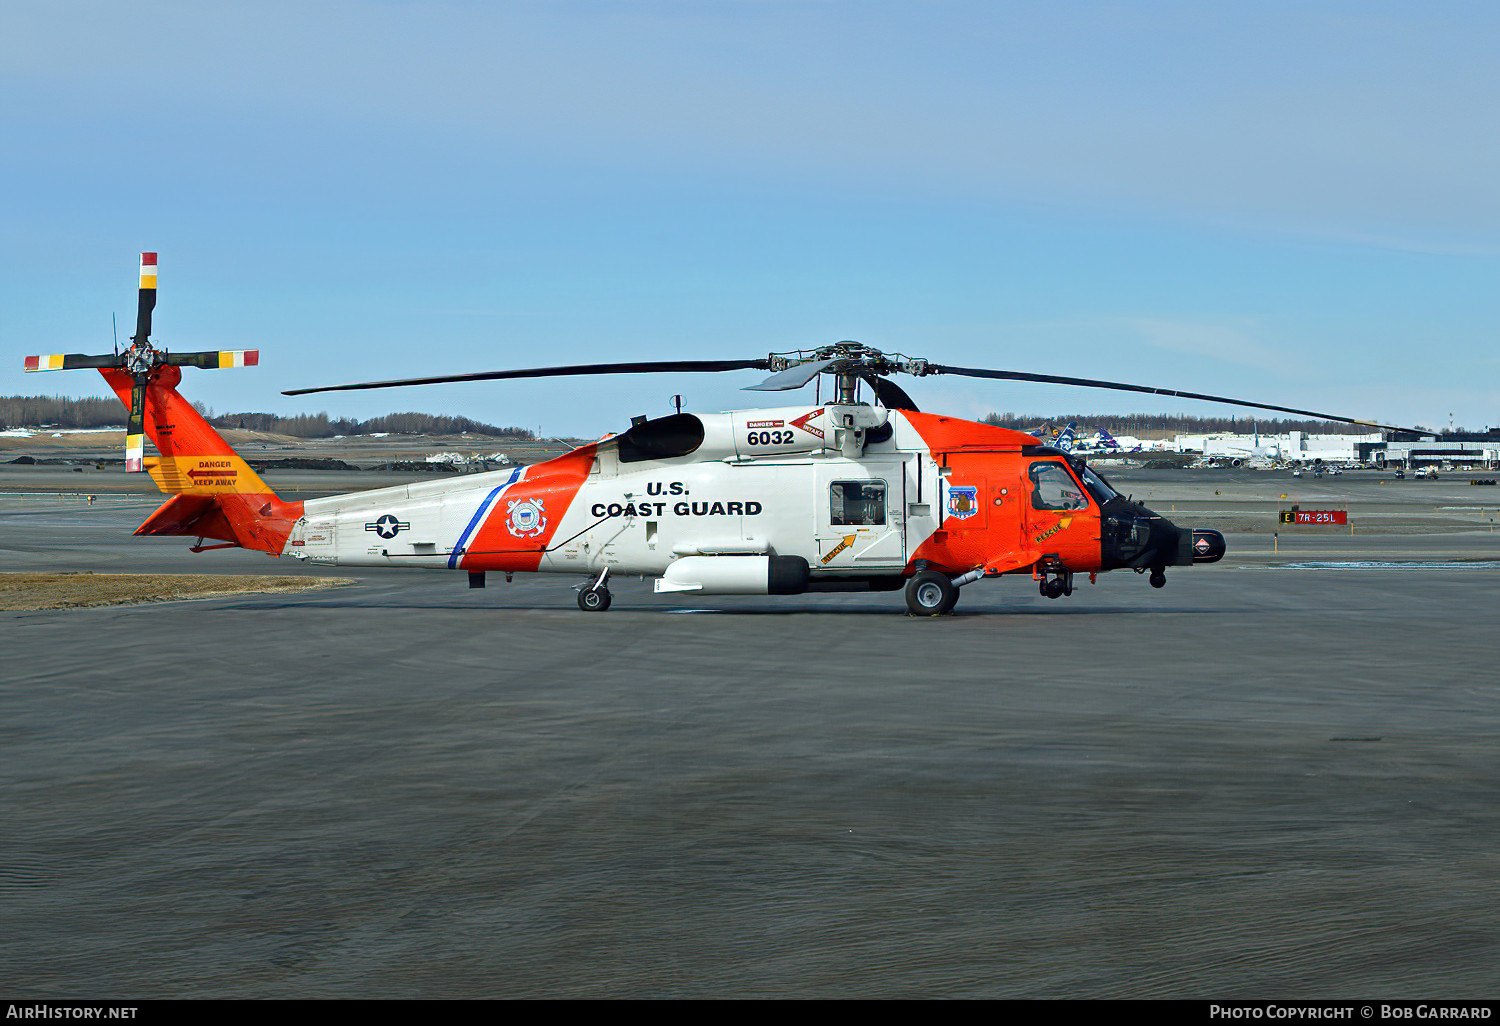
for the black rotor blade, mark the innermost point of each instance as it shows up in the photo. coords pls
(1058, 379)
(213, 359)
(135, 427)
(656, 367)
(793, 377)
(889, 394)
(208, 361)
(146, 301)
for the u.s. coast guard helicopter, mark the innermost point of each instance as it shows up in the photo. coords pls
(837, 495)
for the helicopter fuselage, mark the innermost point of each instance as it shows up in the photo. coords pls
(764, 501)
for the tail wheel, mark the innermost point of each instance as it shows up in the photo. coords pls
(594, 600)
(930, 593)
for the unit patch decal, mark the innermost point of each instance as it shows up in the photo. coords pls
(388, 526)
(528, 518)
(963, 501)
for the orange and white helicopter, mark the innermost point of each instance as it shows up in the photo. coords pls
(832, 496)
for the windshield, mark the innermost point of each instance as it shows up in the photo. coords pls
(1094, 481)
(1053, 487)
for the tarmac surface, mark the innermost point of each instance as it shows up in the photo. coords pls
(1266, 780)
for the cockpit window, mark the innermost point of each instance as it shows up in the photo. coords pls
(857, 502)
(1094, 481)
(1052, 487)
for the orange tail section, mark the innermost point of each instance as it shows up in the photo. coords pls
(215, 493)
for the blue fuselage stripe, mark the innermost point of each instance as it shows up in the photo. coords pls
(458, 550)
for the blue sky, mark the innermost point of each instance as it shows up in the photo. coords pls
(1295, 203)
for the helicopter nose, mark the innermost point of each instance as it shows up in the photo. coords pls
(1192, 545)
(1135, 536)
(1207, 546)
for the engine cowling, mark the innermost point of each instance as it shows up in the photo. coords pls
(784, 431)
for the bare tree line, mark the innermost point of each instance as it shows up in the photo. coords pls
(27, 411)
(1157, 424)
(320, 425)
(20, 411)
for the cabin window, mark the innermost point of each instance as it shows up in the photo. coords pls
(1052, 487)
(856, 503)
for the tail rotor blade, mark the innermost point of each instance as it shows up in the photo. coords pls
(215, 359)
(135, 428)
(69, 361)
(146, 301)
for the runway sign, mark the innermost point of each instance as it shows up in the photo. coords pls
(1314, 516)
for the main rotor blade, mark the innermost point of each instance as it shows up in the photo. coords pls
(1057, 379)
(793, 377)
(656, 367)
(146, 301)
(891, 395)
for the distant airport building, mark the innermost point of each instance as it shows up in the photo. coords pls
(1373, 448)
(1411, 451)
(1292, 447)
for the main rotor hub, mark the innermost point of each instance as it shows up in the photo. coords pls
(850, 362)
(140, 358)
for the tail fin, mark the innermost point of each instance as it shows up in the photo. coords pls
(194, 459)
(214, 492)
(1066, 437)
(1107, 440)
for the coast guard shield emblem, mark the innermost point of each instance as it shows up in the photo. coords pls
(527, 518)
(963, 502)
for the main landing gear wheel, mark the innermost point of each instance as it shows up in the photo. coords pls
(930, 593)
(594, 600)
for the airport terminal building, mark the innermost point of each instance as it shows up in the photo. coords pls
(1378, 449)
(1291, 447)
(1476, 449)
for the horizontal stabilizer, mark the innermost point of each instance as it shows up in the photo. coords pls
(198, 516)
